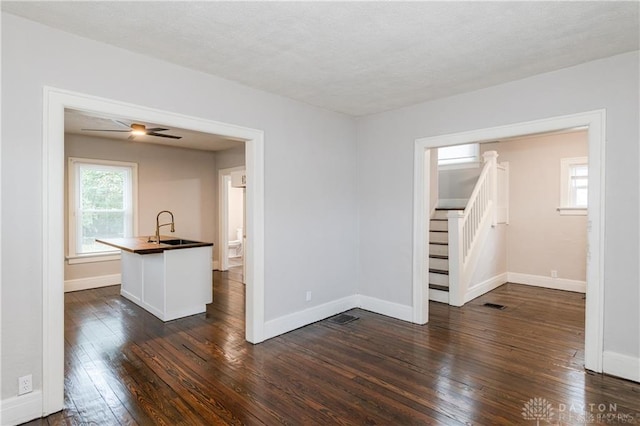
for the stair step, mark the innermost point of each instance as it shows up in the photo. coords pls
(442, 213)
(439, 287)
(438, 279)
(438, 237)
(438, 271)
(438, 250)
(439, 225)
(439, 263)
(438, 256)
(438, 296)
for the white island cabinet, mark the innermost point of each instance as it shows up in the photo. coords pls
(169, 281)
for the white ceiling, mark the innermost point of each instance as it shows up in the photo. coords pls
(75, 121)
(356, 57)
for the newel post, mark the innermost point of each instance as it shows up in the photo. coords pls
(491, 157)
(457, 288)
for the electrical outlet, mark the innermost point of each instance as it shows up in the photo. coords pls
(24, 384)
(308, 296)
(554, 273)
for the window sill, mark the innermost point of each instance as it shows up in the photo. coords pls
(572, 211)
(93, 258)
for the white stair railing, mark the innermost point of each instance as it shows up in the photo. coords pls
(465, 225)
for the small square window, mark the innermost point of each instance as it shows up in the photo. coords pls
(574, 186)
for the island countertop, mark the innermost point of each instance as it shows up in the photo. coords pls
(141, 245)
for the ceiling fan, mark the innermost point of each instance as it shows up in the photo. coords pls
(136, 130)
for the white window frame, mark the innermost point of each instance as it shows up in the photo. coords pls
(566, 208)
(73, 257)
(467, 162)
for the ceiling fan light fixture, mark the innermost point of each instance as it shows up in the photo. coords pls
(138, 129)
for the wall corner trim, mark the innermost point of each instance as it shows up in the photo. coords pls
(486, 286)
(383, 307)
(295, 320)
(21, 409)
(621, 365)
(290, 322)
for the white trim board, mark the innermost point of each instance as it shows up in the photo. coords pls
(21, 409)
(386, 308)
(620, 365)
(293, 321)
(92, 282)
(485, 286)
(54, 103)
(595, 122)
(547, 282)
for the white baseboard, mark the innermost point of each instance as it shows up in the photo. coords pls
(299, 319)
(620, 365)
(383, 307)
(548, 282)
(92, 282)
(439, 296)
(485, 286)
(21, 409)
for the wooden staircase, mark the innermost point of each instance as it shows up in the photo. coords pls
(439, 256)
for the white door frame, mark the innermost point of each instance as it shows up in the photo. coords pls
(224, 177)
(55, 101)
(595, 122)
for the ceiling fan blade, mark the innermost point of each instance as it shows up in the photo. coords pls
(104, 130)
(122, 123)
(163, 135)
(156, 129)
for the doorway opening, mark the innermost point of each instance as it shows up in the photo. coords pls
(55, 103)
(424, 153)
(232, 214)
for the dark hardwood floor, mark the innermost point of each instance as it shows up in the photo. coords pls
(471, 365)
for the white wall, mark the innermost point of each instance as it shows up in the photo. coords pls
(300, 141)
(458, 183)
(180, 180)
(539, 239)
(385, 176)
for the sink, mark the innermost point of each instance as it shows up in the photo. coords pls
(179, 242)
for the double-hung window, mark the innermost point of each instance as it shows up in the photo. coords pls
(102, 204)
(574, 186)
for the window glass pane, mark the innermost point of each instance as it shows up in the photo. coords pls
(578, 186)
(103, 205)
(458, 154)
(100, 225)
(102, 189)
(581, 197)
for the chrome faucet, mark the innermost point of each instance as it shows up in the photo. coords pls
(158, 226)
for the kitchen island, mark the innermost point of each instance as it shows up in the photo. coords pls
(171, 279)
